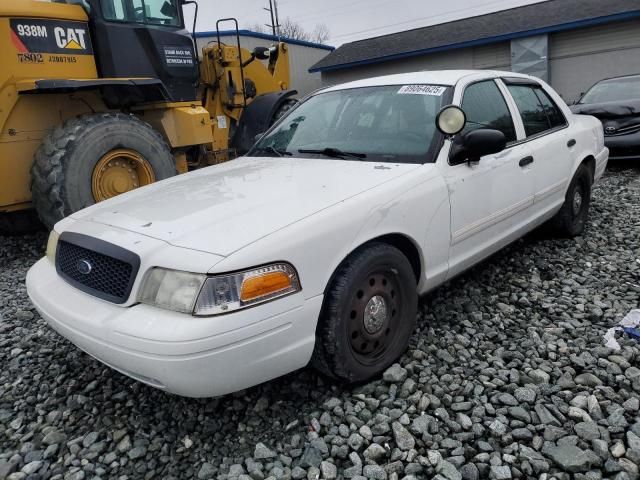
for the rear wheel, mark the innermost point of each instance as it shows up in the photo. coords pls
(570, 221)
(95, 157)
(368, 314)
(283, 109)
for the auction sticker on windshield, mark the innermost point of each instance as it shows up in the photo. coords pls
(433, 90)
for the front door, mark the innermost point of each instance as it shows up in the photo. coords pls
(490, 200)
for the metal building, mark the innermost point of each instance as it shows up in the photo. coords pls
(570, 43)
(302, 55)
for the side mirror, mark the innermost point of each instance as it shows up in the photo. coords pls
(473, 145)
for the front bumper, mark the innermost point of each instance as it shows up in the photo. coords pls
(623, 147)
(178, 353)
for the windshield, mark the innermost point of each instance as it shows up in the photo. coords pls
(381, 124)
(614, 90)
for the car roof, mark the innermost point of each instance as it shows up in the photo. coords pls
(433, 77)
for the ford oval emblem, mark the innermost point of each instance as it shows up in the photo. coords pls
(84, 267)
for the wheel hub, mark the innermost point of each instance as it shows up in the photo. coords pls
(119, 171)
(375, 314)
(577, 202)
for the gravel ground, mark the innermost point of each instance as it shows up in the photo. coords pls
(506, 377)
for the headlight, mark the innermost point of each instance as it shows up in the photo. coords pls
(171, 289)
(212, 295)
(52, 245)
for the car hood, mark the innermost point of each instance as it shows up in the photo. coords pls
(608, 109)
(223, 208)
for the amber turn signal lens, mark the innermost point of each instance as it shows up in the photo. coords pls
(264, 285)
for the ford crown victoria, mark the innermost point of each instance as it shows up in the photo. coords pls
(315, 246)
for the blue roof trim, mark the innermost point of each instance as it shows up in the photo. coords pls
(266, 36)
(485, 41)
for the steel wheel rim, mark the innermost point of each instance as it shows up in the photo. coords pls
(120, 171)
(373, 316)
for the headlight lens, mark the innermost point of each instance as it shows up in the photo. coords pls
(52, 245)
(171, 289)
(226, 293)
(203, 296)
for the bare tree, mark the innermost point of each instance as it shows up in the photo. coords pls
(320, 33)
(291, 29)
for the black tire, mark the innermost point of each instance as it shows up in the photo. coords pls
(62, 171)
(570, 221)
(283, 109)
(347, 347)
(22, 222)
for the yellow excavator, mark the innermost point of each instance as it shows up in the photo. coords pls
(99, 97)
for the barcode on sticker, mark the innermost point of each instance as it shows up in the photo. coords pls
(434, 90)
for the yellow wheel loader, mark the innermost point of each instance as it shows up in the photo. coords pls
(98, 97)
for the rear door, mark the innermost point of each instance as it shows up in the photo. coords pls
(547, 135)
(490, 200)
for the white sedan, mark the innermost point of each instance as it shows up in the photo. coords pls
(315, 246)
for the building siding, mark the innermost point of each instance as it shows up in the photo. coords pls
(577, 58)
(301, 58)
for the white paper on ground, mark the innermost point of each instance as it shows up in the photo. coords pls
(631, 320)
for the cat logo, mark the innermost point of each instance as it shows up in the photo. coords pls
(70, 38)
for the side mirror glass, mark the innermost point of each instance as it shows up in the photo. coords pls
(451, 120)
(473, 145)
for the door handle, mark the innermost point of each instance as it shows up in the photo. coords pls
(571, 143)
(526, 161)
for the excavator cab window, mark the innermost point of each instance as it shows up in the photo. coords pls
(149, 12)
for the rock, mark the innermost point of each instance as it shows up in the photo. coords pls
(137, 452)
(403, 438)
(447, 470)
(569, 457)
(500, 472)
(206, 471)
(262, 452)
(539, 376)
(587, 430)
(374, 472)
(395, 374)
(469, 472)
(588, 380)
(328, 470)
(312, 457)
(374, 452)
(507, 399)
(525, 395)
(54, 436)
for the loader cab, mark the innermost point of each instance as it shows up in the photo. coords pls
(145, 39)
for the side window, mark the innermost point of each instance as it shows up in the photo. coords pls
(556, 118)
(486, 108)
(153, 12)
(538, 111)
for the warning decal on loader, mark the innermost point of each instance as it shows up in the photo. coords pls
(34, 35)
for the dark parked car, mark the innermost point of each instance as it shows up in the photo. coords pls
(616, 102)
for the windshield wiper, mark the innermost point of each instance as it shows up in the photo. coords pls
(274, 150)
(333, 153)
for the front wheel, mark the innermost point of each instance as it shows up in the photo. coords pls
(570, 221)
(368, 315)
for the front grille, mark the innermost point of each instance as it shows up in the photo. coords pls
(96, 267)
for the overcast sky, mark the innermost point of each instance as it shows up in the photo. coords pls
(349, 20)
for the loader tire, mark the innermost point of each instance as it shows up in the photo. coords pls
(64, 174)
